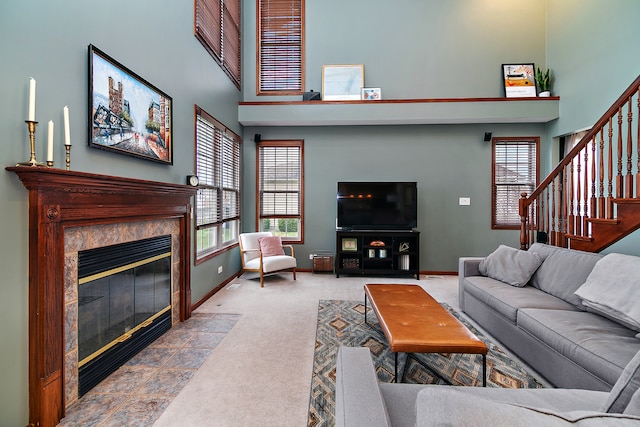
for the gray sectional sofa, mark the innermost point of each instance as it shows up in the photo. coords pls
(361, 401)
(571, 315)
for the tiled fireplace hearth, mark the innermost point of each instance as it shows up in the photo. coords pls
(70, 212)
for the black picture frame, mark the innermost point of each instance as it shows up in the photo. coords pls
(519, 80)
(127, 114)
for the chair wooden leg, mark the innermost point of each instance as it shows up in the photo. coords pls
(294, 274)
(261, 279)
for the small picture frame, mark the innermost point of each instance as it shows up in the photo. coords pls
(371, 94)
(349, 244)
(342, 82)
(519, 80)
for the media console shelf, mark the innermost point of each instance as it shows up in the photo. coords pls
(378, 252)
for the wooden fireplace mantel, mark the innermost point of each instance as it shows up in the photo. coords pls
(59, 199)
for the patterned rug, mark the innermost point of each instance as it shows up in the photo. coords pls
(342, 323)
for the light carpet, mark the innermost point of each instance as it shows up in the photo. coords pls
(341, 323)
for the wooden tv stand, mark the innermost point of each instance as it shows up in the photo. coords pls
(378, 252)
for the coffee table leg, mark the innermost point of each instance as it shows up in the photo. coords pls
(484, 370)
(395, 372)
(365, 308)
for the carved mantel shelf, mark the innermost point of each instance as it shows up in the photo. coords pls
(59, 199)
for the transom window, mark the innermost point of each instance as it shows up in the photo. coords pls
(514, 171)
(280, 45)
(280, 185)
(217, 26)
(218, 199)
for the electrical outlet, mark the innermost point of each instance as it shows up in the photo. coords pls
(464, 201)
(310, 256)
(219, 269)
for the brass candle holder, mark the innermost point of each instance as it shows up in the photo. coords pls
(31, 125)
(67, 149)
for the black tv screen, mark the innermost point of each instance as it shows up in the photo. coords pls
(377, 205)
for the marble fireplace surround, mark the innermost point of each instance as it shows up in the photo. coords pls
(71, 211)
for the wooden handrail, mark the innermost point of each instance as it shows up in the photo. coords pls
(580, 193)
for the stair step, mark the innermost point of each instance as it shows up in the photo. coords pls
(580, 238)
(612, 221)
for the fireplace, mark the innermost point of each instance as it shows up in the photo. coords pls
(72, 212)
(124, 304)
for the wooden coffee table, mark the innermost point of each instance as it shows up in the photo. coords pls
(414, 322)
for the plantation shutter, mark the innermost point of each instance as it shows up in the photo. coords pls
(515, 172)
(280, 181)
(280, 46)
(217, 26)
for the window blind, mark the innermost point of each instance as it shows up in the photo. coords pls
(280, 46)
(217, 26)
(515, 171)
(218, 197)
(280, 181)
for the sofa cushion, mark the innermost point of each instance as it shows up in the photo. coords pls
(454, 406)
(506, 299)
(633, 407)
(613, 289)
(509, 265)
(625, 388)
(554, 277)
(593, 342)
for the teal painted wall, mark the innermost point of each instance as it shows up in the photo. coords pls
(48, 41)
(593, 52)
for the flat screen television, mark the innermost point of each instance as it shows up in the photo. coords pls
(377, 205)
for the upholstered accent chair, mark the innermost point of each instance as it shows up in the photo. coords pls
(264, 253)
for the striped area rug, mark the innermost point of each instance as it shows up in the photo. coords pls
(341, 323)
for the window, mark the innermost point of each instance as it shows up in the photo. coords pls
(218, 198)
(280, 44)
(280, 197)
(217, 26)
(514, 171)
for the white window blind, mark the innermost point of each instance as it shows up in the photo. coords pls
(280, 188)
(515, 171)
(218, 198)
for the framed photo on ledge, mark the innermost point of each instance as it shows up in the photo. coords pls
(519, 80)
(371, 93)
(127, 114)
(342, 82)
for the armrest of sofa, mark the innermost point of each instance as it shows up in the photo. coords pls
(359, 401)
(467, 266)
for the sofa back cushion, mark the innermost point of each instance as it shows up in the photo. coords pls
(625, 388)
(563, 271)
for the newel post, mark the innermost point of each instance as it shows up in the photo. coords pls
(524, 243)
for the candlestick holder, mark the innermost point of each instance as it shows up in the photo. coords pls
(31, 125)
(50, 163)
(67, 148)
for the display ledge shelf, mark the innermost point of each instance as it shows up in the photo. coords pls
(400, 112)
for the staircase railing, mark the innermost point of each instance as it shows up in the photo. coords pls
(579, 204)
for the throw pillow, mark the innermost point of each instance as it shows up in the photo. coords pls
(613, 289)
(625, 389)
(271, 246)
(509, 265)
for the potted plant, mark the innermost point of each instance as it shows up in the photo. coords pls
(543, 80)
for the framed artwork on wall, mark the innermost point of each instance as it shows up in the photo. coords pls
(342, 82)
(371, 93)
(127, 114)
(519, 80)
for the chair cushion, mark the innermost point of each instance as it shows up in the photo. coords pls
(272, 263)
(271, 246)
